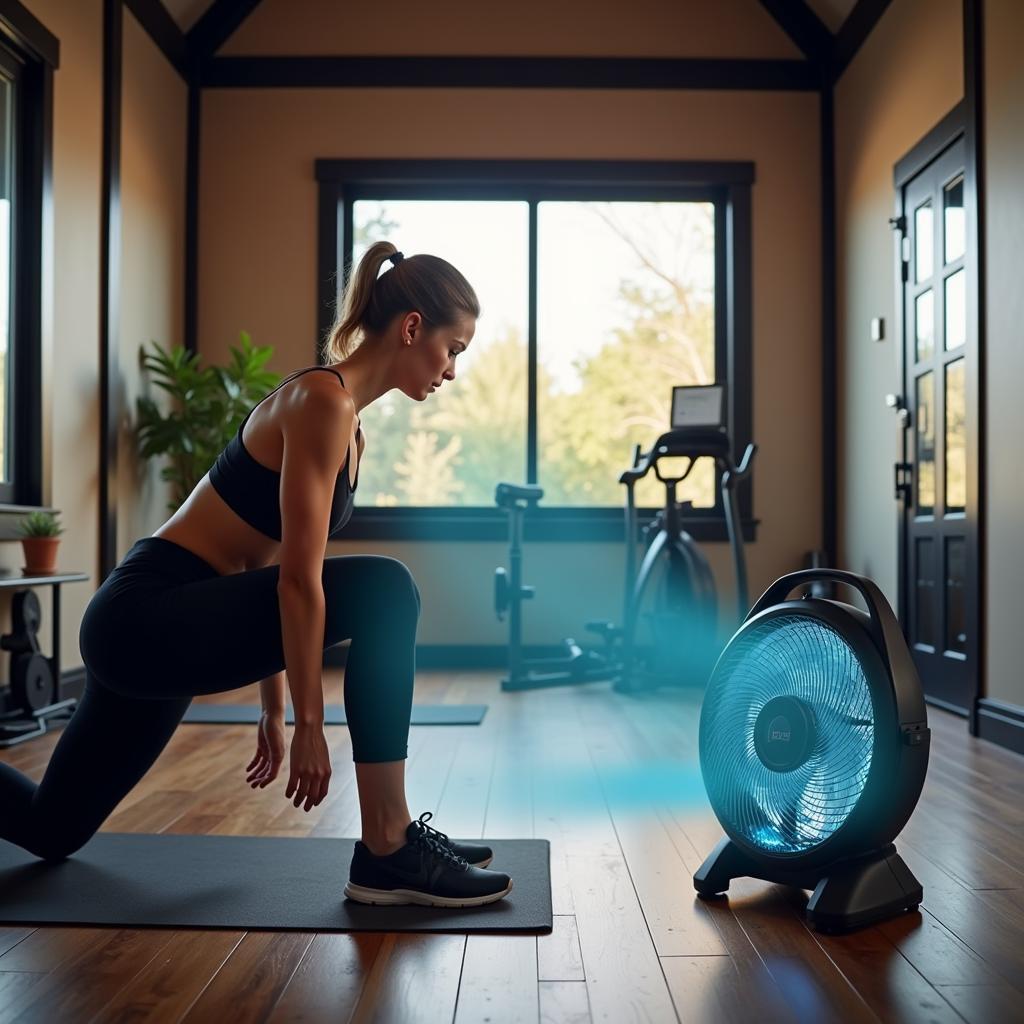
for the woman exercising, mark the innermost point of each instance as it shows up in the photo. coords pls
(235, 588)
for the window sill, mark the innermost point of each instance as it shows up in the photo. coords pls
(561, 525)
(12, 515)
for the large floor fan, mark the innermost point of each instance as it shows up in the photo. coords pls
(813, 747)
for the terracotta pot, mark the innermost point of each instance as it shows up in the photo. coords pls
(40, 554)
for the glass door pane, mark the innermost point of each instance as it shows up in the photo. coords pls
(925, 434)
(955, 225)
(956, 309)
(956, 437)
(924, 321)
(924, 246)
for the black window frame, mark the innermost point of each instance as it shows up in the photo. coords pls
(35, 52)
(726, 184)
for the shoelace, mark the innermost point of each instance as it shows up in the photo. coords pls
(436, 841)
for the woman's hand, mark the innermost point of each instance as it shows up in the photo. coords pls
(310, 765)
(269, 750)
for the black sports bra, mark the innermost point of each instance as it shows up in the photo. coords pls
(252, 490)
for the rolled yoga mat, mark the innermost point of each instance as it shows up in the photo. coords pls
(334, 714)
(247, 882)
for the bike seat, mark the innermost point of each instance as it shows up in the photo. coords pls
(506, 494)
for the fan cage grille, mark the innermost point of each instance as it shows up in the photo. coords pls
(796, 811)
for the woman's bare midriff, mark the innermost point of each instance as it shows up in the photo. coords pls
(207, 527)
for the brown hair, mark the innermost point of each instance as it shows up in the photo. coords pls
(427, 284)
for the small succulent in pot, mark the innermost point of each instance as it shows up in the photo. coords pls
(40, 535)
(40, 524)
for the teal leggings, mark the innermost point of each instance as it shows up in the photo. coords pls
(166, 627)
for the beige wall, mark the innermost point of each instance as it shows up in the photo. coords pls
(71, 375)
(258, 272)
(153, 214)
(153, 135)
(907, 76)
(595, 28)
(1004, 225)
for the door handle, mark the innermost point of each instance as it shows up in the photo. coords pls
(902, 412)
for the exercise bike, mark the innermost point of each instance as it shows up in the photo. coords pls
(684, 620)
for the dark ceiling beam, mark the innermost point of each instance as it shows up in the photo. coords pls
(217, 26)
(806, 30)
(163, 30)
(507, 73)
(857, 27)
(20, 25)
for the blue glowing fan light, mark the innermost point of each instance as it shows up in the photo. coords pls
(793, 811)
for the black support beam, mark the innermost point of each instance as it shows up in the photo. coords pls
(506, 73)
(163, 30)
(217, 25)
(807, 31)
(18, 24)
(857, 27)
(110, 283)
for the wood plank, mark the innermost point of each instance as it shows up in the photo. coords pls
(499, 980)
(171, 982)
(708, 988)
(985, 1004)
(11, 936)
(564, 1002)
(499, 971)
(48, 948)
(252, 978)
(983, 928)
(678, 921)
(558, 954)
(154, 812)
(884, 978)
(624, 977)
(82, 985)
(935, 952)
(414, 979)
(14, 985)
(330, 979)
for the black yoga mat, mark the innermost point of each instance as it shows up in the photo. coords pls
(334, 714)
(247, 882)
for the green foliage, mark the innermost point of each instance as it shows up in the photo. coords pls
(207, 405)
(40, 524)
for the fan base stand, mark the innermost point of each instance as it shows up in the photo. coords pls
(847, 894)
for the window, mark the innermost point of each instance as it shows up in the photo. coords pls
(28, 56)
(601, 285)
(9, 69)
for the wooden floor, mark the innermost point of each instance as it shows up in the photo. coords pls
(630, 940)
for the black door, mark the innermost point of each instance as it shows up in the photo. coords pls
(939, 501)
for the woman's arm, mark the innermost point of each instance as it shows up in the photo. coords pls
(273, 693)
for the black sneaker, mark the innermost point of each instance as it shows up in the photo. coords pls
(477, 855)
(425, 871)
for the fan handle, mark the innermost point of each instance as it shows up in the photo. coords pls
(883, 628)
(883, 622)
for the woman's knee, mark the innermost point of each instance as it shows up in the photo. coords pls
(380, 580)
(53, 848)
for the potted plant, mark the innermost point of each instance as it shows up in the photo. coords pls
(207, 406)
(40, 536)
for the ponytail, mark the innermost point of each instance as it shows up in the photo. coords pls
(427, 284)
